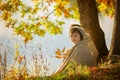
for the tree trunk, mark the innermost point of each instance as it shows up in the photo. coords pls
(115, 42)
(89, 21)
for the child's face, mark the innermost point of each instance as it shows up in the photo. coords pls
(75, 37)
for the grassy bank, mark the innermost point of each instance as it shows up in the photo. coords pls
(100, 72)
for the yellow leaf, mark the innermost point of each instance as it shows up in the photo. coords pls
(57, 30)
(58, 52)
(58, 12)
(66, 13)
(63, 50)
(17, 53)
(58, 1)
(102, 7)
(35, 1)
(26, 40)
(20, 59)
(58, 49)
(58, 56)
(44, 17)
(41, 32)
(6, 15)
(66, 2)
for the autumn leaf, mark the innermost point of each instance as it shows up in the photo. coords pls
(58, 56)
(63, 50)
(41, 32)
(58, 12)
(44, 17)
(35, 1)
(6, 15)
(92, 69)
(66, 13)
(20, 58)
(57, 30)
(102, 7)
(58, 52)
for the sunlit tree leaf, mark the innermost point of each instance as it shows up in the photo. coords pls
(106, 7)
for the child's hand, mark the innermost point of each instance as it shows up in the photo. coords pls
(59, 53)
(62, 53)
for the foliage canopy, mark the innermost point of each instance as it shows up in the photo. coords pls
(28, 18)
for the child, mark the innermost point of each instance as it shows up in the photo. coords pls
(83, 52)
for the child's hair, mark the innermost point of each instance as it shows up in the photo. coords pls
(75, 30)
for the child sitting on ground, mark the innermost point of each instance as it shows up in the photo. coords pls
(83, 52)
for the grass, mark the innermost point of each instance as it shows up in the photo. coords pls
(100, 72)
(103, 71)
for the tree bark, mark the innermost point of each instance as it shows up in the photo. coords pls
(89, 21)
(115, 42)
